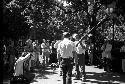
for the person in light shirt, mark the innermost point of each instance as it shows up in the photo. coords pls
(80, 49)
(19, 64)
(106, 55)
(58, 55)
(45, 52)
(56, 46)
(67, 50)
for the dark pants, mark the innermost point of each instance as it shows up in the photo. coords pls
(67, 66)
(91, 58)
(107, 64)
(81, 64)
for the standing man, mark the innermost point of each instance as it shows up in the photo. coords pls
(80, 57)
(67, 51)
(58, 56)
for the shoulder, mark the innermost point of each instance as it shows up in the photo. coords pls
(42, 43)
(73, 43)
(60, 42)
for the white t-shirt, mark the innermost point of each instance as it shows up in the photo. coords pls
(66, 47)
(79, 48)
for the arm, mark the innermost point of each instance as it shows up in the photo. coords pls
(83, 46)
(56, 44)
(75, 55)
(26, 57)
(58, 54)
(59, 58)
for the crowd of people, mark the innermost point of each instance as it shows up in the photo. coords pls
(67, 52)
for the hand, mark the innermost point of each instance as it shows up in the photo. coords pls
(15, 58)
(58, 63)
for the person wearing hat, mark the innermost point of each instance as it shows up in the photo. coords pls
(67, 49)
(80, 57)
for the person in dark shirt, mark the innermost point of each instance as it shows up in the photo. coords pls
(11, 55)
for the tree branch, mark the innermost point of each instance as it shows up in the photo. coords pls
(95, 27)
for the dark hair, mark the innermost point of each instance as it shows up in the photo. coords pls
(72, 39)
(67, 35)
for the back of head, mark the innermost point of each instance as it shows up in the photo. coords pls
(66, 35)
(75, 36)
(44, 41)
(29, 41)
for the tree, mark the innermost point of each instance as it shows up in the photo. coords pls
(55, 16)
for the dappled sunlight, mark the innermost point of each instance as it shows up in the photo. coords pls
(43, 73)
(103, 78)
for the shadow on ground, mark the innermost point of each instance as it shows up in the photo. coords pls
(42, 72)
(103, 78)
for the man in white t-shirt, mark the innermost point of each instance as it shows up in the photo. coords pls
(80, 49)
(67, 50)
